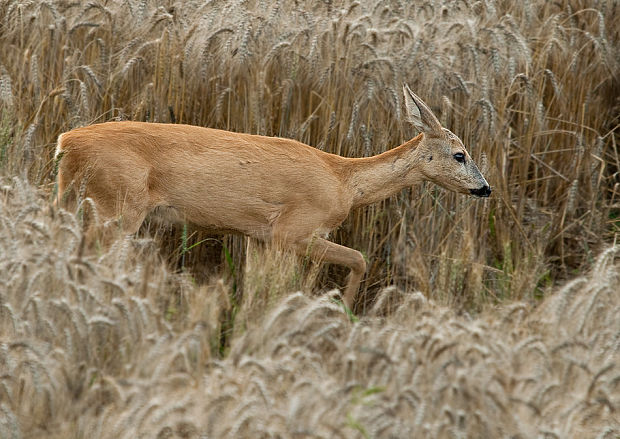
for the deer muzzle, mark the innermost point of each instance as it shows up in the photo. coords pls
(484, 191)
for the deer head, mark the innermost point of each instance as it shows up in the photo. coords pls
(443, 157)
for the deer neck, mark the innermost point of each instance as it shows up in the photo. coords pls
(375, 178)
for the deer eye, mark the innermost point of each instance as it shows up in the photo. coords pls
(459, 157)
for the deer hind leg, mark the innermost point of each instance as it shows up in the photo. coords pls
(320, 249)
(111, 221)
(114, 210)
(108, 205)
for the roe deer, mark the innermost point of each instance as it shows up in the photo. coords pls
(269, 188)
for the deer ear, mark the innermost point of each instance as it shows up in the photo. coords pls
(419, 114)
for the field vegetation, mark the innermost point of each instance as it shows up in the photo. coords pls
(477, 318)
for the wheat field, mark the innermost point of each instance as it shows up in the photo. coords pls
(477, 318)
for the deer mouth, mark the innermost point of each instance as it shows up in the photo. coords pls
(484, 191)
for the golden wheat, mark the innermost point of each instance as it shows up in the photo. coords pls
(116, 346)
(171, 334)
(528, 86)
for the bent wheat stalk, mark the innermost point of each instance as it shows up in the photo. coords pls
(273, 189)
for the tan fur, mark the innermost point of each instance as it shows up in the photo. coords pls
(272, 189)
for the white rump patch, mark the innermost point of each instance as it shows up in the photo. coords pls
(58, 147)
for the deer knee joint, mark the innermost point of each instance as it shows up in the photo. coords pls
(359, 263)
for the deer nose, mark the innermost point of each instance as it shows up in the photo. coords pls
(484, 191)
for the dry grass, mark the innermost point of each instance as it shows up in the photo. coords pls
(172, 333)
(117, 347)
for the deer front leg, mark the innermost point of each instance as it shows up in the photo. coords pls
(322, 250)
